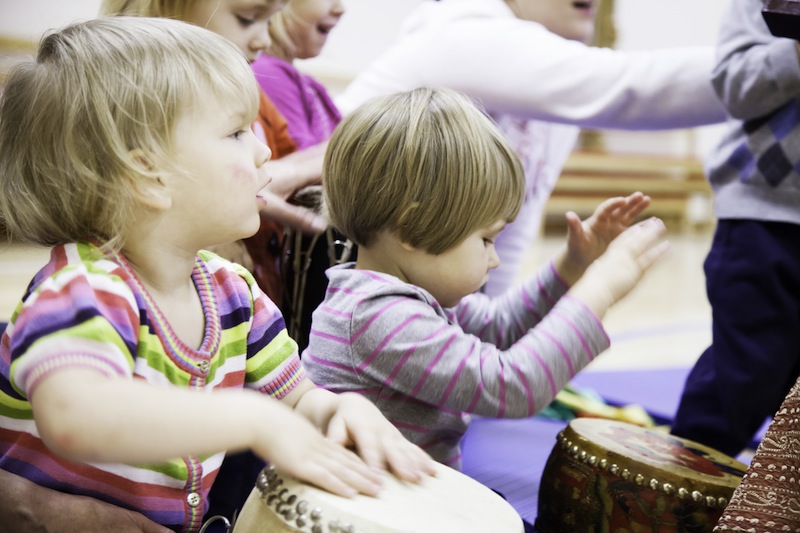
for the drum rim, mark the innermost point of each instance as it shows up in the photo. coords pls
(579, 448)
(274, 489)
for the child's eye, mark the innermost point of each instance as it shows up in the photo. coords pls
(238, 134)
(487, 241)
(245, 21)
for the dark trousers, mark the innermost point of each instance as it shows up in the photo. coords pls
(753, 286)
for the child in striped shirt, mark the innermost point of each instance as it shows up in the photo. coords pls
(136, 359)
(423, 182)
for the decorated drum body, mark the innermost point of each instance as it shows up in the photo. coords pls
(450, 502)
(615, 477)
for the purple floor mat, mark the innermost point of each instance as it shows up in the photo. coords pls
(509, 455)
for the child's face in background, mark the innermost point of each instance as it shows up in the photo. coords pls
(459, 271)
(244, 22)
(220, 162)
(308, 23)
(570, 19)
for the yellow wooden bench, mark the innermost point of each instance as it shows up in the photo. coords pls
(680, 192)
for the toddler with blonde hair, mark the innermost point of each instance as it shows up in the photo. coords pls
(136, 359)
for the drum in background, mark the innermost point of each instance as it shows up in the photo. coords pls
(450, 502)
(305, 258)
(610, 476)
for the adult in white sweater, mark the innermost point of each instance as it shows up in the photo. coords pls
(526, 63)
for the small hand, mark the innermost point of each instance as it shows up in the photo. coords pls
(588, 240)
(358, 422)
(289, 175)
(293, 444)
(294, 216)
(614, 274)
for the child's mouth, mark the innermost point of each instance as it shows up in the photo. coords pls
(325, 29)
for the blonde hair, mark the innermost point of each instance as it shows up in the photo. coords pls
(174, 9)
(426, 165)
(281, 44)
(75, 122)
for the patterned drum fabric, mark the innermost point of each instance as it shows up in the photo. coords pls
(610, 476)
(450, 502)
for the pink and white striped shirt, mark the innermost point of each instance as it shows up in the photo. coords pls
(428, 368)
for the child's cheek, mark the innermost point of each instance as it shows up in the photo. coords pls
(243, 175)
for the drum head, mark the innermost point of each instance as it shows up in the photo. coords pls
(448, 502)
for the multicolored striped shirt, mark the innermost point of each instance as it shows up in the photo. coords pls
(86, 308)
(428, 368)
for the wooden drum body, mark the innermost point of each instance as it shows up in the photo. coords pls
(615, 477)
(448, 502)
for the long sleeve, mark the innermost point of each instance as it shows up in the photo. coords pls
(756, 73)
(425, 366)
(519, 67)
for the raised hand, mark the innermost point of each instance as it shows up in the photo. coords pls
(587, 240)
(294, 216)
(616, 272)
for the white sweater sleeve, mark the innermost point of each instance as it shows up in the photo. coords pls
(517, 66)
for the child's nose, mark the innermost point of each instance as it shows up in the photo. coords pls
(494, 259)
(263, 155)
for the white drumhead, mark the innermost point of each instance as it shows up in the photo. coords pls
(448, 502)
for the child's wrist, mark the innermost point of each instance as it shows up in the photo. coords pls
(570, 268)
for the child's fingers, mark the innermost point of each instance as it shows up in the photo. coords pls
(609, 207)
(574, 223)
(649, 257)
(643, 236)
(341, 472)
(637, 203)
(409, 462)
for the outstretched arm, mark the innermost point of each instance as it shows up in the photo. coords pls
(138, 422)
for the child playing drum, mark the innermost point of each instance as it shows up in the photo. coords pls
(423, 182)
(128, 147)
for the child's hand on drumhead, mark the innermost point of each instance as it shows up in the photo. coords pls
(359, 423)
(292, 444)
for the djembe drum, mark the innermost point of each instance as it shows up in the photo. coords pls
(304, 261)
(450, 502)
(610, 476)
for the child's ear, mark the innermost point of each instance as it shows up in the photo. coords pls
(149, 187)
